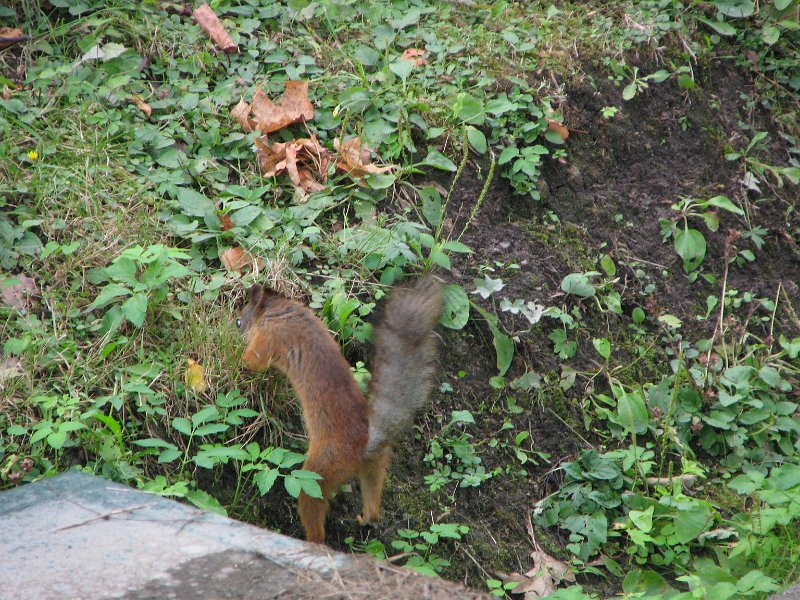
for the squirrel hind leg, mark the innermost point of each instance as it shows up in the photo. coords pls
(371, 476)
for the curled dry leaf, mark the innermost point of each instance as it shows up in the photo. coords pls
(225, 223)
(353, 157)
(211, 24)
(10, 36)
(559, 128)
(416, 56)
(194, 377)
(305, 160)
(240, 260)
(143, 106)
(18, 295)
(9, 368)
(268, 116)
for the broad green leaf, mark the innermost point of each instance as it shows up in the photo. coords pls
(603, 347)
(691, 522)
(380, 181)
(135, 308)
(108, 294)
(181, 424)
(431, 205)
(265, 479)
(578, 284)
(736, 9)
(207, 502)
(468, 109)
(643, 520)
(632, 412)
(193, 203)
(477, 140)
(440, 161)
(629, 92)
(691, 247)
(782, 4)
(456, 307)
(722, 202)
(721, 27)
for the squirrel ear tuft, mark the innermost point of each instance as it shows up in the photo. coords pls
(254, 294)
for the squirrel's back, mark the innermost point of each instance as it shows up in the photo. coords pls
(405, 360)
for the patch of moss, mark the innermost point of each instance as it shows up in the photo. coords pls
(565, 239)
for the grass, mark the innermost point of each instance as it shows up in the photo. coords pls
(87, 176)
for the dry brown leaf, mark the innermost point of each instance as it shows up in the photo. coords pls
(6, 92)
(241, 114)
(211, 24)
(415, 56)
(292, 107)
(143, 106)
(354, 158)
(239, 260)
(559, 128)
(305, 161)
(194, 377)
(18, 295)
(10, 36)
(9, 368)
(225, 223)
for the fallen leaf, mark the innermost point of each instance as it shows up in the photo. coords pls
(10, 36)
(194, 377)
(305, 160)
(239, 260)
(211, 24)
(9, 368)
(559, 128)
(143, 106)
(545, 575)
(416, 56)
(225, 223)
(268, 116)
(16, 291)
(353, 157)
(6, 92)
(241, 114)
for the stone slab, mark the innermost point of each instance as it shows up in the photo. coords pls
(78, 536)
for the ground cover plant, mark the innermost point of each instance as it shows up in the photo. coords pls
(608, 190)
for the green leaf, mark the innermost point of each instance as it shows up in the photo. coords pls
(181, 424)
(782, 4)
(638, 315)
(608, 266)
(504, 347)
(578, 284)
(770, 34)
(468, 109)
(508, 154)
(629, 92)
(57, 439)
(292, 486)
(722, 202)
(477, 140)
(380, 181)
(691, 247)
(439, 161)
(108, 294)
(265, 479)
(193, 203)
(721, 27)
(431, 205)
(135, 309)
(736, 9)
(643, 520)
(770, 376)
(402, 68)
(603, 347)
(204, 501)
(690, 523)
(456, 307)
(632, 412)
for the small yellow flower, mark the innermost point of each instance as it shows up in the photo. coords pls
(33, 154)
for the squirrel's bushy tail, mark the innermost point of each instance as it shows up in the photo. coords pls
(405, 359)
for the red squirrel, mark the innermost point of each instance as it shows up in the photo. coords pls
(350, 435)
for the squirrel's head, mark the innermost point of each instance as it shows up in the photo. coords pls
(259, 301)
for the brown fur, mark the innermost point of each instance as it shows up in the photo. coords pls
(283, 333)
